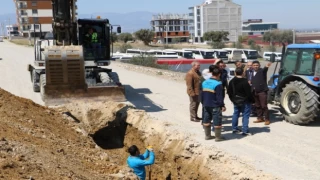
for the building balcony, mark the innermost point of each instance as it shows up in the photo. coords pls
(22, 21)
(23, 14)
(22, 6)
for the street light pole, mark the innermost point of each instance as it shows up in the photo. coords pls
(293, 36)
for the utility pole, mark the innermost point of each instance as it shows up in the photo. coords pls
(167, 32)
(10, 30)
(293, 36)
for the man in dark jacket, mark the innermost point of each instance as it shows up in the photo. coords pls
(239, 87)
(249, 74)
(260, 91)
(213, 105)
(223, 76)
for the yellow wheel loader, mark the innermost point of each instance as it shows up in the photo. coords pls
(70, 62)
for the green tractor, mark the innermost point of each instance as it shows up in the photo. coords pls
(297, 85)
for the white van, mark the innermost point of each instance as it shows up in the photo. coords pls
(267, 55)
(201, 53)
(235, 54)
(182, 53)
(251, 55)
(221, 54)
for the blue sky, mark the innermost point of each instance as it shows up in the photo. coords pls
(290, 13)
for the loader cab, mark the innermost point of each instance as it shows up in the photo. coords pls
(100, 50)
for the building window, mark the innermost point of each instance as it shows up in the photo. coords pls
(35, 20)
(33, 3)
(199, 33)
(198, 12)
(36, 26)
(34, 11)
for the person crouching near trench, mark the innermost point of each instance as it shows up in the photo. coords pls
(212, 100)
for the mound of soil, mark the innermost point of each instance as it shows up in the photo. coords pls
(39, 143)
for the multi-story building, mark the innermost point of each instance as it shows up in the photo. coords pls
(257, 26)
(31, 13)
(170, 28)
(215, 15)
(12, 30)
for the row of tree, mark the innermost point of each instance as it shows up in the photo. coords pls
(145, 35)
(217, 38)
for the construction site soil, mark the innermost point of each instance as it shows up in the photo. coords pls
(82, 141)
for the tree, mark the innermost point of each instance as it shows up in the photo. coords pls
(218, 45)
(251, 42)
(114, 37)
(278, 36)
(272, 48)
(145, 35)
(216, 36)
(124, 47)
(125, 37)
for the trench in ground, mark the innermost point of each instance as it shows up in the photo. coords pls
(118, 135)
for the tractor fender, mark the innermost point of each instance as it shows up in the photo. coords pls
(306, 79)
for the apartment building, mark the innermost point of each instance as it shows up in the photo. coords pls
(170, 28)
(257, 26)
(215, 15)
(31, 13)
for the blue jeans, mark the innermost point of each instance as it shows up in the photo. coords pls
(245, 110)
(212, 113)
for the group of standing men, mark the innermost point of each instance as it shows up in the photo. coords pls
(247, 91)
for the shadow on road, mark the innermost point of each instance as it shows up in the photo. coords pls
(139, 100)
(254, 130)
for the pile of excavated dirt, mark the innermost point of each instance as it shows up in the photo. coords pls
(86, 140)
(38, 143)
(80, 141)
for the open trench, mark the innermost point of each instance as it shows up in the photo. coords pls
(116, 127)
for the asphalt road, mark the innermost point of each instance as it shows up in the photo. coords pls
(282, 149)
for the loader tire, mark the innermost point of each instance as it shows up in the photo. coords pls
(35, 85)
(42, 84)
(299, 104)
(104, 78)
(114, 76)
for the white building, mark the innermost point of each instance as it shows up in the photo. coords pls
(215, 15)
(33, 13)
(12, 30)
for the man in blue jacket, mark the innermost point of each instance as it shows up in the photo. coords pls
(138, 161)
(213, 104)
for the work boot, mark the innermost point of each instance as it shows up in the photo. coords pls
(258, 121)
(207, 132)
(217, 132)
(267, 122)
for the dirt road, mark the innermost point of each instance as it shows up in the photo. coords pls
(281, 149)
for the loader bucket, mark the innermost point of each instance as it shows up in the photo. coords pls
(60, 96)
(65, 80)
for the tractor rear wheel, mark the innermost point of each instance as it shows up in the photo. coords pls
(299, 103)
